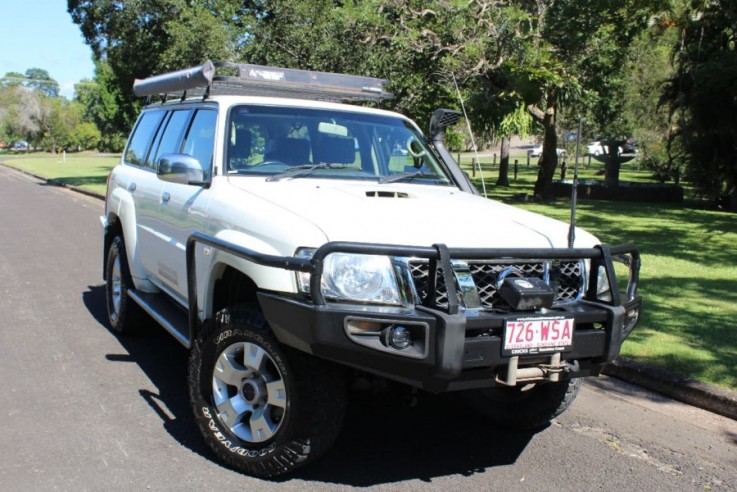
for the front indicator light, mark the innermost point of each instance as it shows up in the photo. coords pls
(603, 289)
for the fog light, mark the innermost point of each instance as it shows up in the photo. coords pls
(397, 337)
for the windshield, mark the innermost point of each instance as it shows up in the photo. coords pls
(289, 143)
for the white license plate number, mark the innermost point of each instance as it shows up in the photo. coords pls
(530, 336)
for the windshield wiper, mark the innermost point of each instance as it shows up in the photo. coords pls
(412, 175)
(297, 171)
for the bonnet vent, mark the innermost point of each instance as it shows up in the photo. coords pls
(386, 194)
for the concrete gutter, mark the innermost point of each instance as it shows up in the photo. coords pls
(709, 397)
(713, 398)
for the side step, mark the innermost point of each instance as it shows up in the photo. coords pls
(166, 313)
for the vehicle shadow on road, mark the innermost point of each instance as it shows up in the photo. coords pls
(384, 438)
(164, 362)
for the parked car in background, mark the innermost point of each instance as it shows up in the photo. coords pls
(537, 151)
(598, 148)
(629, 146)
(20, 145)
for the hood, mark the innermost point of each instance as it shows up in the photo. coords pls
(410, 214)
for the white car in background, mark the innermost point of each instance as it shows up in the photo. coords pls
(537, 151)
(596, 148)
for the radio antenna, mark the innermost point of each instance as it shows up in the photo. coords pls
(470, 132)
(574, 189)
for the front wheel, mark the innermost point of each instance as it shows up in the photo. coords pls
(522, 408)
(263, 409)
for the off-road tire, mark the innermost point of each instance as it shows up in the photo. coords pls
(313, 398)
(512, 408)
(124, 315)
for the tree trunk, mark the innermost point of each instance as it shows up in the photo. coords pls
(549, 159)
(503, 179)
(612, 165)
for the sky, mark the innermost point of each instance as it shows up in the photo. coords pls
(41, 34)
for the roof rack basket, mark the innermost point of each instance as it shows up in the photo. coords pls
(258, 80)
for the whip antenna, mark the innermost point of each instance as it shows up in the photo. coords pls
(574, 189)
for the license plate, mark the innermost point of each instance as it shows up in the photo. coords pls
(530, 336)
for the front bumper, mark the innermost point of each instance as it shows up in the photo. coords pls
(462, 351)
(453, 347)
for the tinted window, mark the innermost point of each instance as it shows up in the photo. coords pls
(200, 139)
(171, 138)
(141, 139)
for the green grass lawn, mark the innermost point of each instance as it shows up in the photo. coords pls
(689, 267)
(85, 170)
(689, 262)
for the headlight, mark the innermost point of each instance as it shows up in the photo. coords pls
(359, 278)
(603, 289)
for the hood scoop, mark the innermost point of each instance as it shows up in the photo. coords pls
(387, 194)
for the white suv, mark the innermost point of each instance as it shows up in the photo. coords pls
(294, 242)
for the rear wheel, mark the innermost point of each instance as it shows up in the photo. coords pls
(124, 314)
(262, 408)
(520, 409)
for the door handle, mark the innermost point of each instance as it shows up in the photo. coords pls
(131, 186)
(165, 197)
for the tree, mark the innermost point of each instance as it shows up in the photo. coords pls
(517, 122)
(42, 120)
(147, 37)
(654, 124)
(703, 96)
(36, 79)
(39, 79)
(101, 101)
(13, 79)
(575, 62)
(374, 38)
(86, 136)
(31, 114)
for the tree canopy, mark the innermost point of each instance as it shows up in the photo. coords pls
(560, 60)
(703, 95)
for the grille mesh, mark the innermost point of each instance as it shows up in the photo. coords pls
(565, 278)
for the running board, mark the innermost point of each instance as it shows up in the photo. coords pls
(166, 313)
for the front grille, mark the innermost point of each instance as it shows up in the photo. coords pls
(564, 276)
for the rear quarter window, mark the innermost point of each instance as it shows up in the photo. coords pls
(143, 134)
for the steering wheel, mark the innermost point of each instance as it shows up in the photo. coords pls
(415, 148)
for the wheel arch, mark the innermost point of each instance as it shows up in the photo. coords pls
(230, 287)
(113, 228)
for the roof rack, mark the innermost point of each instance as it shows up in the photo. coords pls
(259, 80)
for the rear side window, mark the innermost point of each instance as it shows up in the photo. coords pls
(143, 135)
(200, 139)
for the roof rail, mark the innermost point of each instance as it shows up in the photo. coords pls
(259, 80)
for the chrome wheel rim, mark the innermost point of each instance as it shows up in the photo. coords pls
(116, 287)
(249, 392)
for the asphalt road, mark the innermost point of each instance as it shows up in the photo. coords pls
(84, 410)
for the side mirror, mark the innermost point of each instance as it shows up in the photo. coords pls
(181, 169)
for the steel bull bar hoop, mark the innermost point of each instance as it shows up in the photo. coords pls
(438, 255)
(284, 262)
